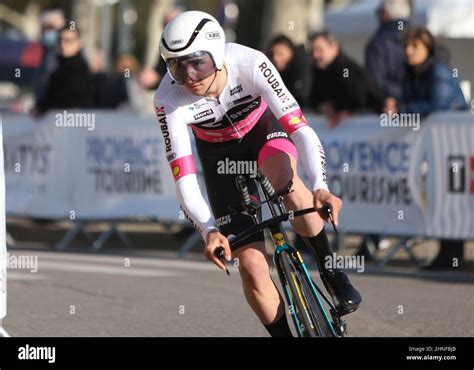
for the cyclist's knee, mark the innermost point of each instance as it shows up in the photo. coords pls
(279, 170)
(253, 264)
(281, 178)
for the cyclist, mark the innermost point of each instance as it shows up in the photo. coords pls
(236, 104)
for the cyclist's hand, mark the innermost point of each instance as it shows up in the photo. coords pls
(322, 197)
(215, 239)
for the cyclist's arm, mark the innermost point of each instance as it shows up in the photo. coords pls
(284, 106)
(179, 155)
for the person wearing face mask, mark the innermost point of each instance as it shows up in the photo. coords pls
(70, 84)
(51, 22)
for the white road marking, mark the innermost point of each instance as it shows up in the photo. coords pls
(101, 269)
(24, 275)
(165, 263)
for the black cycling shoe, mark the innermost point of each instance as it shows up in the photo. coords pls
(346, 298)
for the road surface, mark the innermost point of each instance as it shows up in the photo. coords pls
(80, 294)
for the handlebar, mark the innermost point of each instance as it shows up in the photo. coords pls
(273, 197)
(219, 252)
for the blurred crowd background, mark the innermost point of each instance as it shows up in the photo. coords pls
(402, 58)
(338, 58)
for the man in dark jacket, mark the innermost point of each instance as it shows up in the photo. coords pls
(340, 85)
(384, 55)
(294, 65)
(70, 85)
(385, 61)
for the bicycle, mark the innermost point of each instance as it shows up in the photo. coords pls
(303, 297)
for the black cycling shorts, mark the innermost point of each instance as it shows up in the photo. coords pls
(220, 185)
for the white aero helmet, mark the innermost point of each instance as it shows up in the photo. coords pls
(193, 32)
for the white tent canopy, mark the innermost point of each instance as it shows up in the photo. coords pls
(444, 18)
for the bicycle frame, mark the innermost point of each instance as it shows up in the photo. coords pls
(280, 243)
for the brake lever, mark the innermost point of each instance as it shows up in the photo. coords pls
(219, 252)
(327, 211)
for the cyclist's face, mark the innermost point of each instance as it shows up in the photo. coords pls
(192, 70)
(199, 87)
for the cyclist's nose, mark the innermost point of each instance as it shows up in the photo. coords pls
(190, 73)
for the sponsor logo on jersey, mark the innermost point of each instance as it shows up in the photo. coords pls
(253, 105)
(191, 220)
(176, 171)
(176, 42)
(295, 120)
(323, 162)
(199, 105)
(272, 81)
(160, 113)
(210, 124)
(274, 135)
(213, 35)
(241, 100)
(224, 220)
(203, 114)
(288, 107)
(235, 90)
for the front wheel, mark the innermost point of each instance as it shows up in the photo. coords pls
(302, 317)
(312, 318)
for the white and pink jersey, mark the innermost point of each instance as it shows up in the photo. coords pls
(253, 84)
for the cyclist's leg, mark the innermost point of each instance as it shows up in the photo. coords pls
(259, 289)
(277, 158)
(280, 168)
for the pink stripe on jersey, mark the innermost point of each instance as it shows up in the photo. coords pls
(182, 166)
(276, 146)
(293, 121)
(231, 133)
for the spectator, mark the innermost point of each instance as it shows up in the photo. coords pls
(70, 85)
(340, 85)
(121, 89)
(51, 22)
(294, 66)
(429, 85)
(385, 61)
(384, 55)
(149, 78)
(97, 68)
